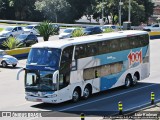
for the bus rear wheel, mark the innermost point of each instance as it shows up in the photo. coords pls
(75, 95)
(135, 79)
(128, 81)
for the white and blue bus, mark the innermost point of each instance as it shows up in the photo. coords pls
(62, 70)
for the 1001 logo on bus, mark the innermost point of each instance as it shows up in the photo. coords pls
(135, 57)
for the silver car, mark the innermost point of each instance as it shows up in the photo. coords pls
(6, 60)
(11, 31)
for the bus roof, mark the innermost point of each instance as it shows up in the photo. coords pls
(87, 39)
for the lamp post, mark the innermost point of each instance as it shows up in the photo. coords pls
(120, 4)
(129, 11)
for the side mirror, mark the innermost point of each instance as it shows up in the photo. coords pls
(19, 72)
(55, 76)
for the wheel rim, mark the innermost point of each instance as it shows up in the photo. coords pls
(135, 79)
(4, 64)
(127, 82)
(75, 96)
(86, 93)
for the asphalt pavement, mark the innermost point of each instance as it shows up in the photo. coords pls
(100, 104)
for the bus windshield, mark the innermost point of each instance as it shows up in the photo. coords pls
(44, 57)
(39, 81)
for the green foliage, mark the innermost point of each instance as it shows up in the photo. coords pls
(1, 29)
(108, 30)
(78, 33)
(54, 10)
(141, 10)
(46, 29)
(67, 11)
(12, 43)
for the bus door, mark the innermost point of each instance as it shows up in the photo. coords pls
(64, 72)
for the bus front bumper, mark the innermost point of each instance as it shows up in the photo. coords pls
(41, 99)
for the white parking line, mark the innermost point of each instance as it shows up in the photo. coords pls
(105, 98)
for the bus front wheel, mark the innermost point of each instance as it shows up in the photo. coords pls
(128, 81)
(75, 95)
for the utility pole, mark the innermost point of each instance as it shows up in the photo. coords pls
(129, 11)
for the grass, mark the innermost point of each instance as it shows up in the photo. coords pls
(1, 29)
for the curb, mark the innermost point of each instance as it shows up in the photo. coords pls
(19, 53)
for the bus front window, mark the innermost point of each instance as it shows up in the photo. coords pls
(40, 81)
(44, 57)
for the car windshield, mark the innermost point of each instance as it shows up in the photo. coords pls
(21, 37)
(9, 29)
(68, 30)
(29, 27)
(39, 81)
(44, 57)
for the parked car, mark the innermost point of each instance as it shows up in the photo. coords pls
(92, 30)
(2, 39)
(153, 27)
(57, 28)
(112, 27)
(31, 29)
(6, 60)
(67, 33)
(11, 31)
(27, 39)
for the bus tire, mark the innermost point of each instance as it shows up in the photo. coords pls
(86, 92)
(76, 95)
(135, 79)
(128, 81)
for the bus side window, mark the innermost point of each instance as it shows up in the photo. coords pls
(124, 44)
(103, 47)
(80, 51)
(92, 50)
(65, 67)
(114, 45)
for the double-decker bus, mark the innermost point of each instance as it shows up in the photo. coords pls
(62, 70)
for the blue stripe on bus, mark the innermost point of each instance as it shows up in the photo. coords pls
(107, 82)
(118, 56)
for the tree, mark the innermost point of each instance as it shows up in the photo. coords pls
(78, 7)
(149, 8)
(5, 10)
(111, 8)
(46, 29)
(55, 9)
(137, 12)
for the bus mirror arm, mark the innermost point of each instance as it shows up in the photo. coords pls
(20, 72)
(55, 76)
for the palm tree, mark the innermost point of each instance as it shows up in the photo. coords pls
(78, 32)
(46, 29)
(12, 43)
